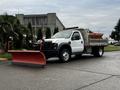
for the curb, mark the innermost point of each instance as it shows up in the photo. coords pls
(4, 60)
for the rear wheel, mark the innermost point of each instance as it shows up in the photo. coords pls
(98, 52)
(65, 55)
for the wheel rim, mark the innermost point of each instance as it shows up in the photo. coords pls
(66, 56)
(100, 52)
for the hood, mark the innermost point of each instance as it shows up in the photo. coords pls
(57, 40)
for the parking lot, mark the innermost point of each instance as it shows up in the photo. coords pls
(85, 73)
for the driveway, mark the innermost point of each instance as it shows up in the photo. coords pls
(85, 73)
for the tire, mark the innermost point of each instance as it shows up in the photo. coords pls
(98, 52)
(64, 55)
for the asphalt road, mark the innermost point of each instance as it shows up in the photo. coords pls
(86, 73)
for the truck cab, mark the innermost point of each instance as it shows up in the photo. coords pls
(63, 44)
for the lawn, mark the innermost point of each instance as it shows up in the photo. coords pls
(6, 55)
(110, 48)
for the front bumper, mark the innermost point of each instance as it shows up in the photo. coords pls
(50, 49)
(50, 53)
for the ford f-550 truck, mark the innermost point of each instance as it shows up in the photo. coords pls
(74, 41)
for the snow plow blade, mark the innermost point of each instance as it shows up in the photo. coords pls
(28, 57)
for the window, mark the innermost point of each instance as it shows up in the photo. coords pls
(63, 34)
(33, 21)
(37, 21)
(76, 36)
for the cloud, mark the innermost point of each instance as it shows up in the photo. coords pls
(98, 15)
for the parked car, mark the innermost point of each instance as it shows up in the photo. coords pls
(117, 44)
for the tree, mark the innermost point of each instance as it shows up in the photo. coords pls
(18, 42)
(48, 33)
(116, 33)
(29, 37)
(39, 34)
(6, 30)
(31, 31)
(55, 30)
(10, 28)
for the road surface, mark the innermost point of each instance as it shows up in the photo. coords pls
(86, 73)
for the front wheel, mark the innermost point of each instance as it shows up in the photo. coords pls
(65, 55)
(98, 52)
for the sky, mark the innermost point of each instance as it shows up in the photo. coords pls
(96, 15)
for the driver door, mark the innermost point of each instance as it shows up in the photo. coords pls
(77, 43)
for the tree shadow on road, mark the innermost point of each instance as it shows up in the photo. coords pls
(76, 59)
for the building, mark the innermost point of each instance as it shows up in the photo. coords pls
(41, 21)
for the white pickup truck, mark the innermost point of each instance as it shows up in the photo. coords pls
(73, 41)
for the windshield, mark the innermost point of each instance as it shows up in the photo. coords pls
(63, 34)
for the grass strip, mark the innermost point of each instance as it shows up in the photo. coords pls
(111, 48)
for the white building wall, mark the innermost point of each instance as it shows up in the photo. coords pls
(59, 24)
(41, 21)
(51, 21)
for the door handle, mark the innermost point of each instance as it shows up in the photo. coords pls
(81, 41)
(69, 42)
